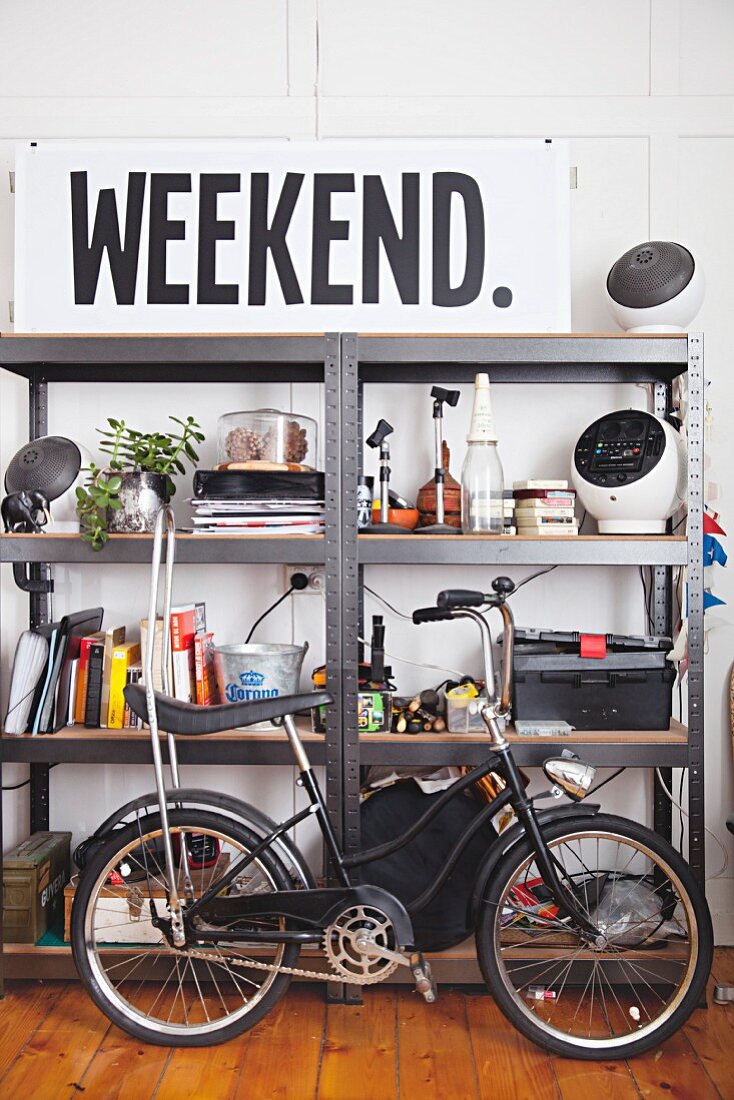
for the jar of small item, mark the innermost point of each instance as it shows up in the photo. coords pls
(266, 439)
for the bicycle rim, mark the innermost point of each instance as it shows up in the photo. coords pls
(137, 972)
(631, 982)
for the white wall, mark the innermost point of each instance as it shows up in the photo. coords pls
(645, 92)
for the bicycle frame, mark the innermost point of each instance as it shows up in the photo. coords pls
(303, 904)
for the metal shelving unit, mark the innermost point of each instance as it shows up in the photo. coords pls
(579, 359)
(310, 358)
(343, 364)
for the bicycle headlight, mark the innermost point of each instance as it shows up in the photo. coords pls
(574, 777)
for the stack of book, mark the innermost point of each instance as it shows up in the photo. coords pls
(545, 507)
(74, 673)
(191, 675)
(286, 516)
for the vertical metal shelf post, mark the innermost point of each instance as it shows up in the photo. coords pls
(351, 595)
(332, 573)
(662, 615)
(696, 404)
(39, 604)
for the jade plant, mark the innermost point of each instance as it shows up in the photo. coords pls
(131, 451)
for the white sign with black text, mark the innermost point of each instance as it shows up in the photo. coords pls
(409, 236)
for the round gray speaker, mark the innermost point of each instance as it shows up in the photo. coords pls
(50, 463)
(650, 274)
(656, 286)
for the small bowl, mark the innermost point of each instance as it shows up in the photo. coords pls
(404, 517)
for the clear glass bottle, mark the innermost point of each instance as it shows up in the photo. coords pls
(482, 477)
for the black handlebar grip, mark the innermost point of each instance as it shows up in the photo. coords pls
(460, 597)
(431, 614)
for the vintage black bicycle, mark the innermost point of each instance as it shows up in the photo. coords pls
(593, 935)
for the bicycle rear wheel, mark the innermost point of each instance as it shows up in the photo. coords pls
(156, 992)
(633, 987)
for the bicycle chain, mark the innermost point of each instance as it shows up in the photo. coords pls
(317, 975)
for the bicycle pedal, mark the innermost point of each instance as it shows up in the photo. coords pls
(424, 983)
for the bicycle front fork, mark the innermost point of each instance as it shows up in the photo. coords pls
(525, 813)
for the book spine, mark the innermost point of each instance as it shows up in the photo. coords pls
(81, 681)
(199, 667)
(73, 677)
(122, 656)
(182, 655)
(114, 637)
(94, 685)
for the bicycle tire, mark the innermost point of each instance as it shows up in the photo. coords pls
(512, 990)
(88, 950)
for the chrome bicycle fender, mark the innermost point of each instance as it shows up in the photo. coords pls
(512, 836)
(249, 815)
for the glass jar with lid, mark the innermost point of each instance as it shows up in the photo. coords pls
(249, 440)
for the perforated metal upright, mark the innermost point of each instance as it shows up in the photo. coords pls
(695, 421)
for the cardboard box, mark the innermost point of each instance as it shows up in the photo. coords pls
(34, 876)
(126, 912)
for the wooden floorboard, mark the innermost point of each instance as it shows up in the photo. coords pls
(55, 1044)
(509, 1066)
(360, 1046)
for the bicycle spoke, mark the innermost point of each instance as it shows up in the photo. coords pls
(592, 992)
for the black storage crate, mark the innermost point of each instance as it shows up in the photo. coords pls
(630, 688)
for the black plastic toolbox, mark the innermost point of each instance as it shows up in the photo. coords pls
(626, 685)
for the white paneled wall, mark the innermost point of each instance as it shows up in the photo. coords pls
(645, 92)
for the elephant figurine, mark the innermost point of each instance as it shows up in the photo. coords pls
(25, 512)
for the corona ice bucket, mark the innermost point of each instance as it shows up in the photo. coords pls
(252, 672)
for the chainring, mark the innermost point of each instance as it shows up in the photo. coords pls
(347, 942)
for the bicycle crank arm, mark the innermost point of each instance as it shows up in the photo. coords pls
(419, 966)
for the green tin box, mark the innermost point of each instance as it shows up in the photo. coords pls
(34, 876)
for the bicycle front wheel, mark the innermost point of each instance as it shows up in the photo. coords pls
(631, 987)
(206, 992)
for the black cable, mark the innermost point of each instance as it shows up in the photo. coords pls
(299, 581)
(647, 599)
(382, 599)
(266, 613)
(540, 573)
(17, 786)
(604, 782)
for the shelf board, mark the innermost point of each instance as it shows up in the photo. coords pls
(29, 960)
(190, 549)
(79, 745)
(522, 550)
(155, 357)
(635, 748)
(523, 357)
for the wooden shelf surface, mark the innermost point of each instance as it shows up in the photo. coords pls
(676, 734)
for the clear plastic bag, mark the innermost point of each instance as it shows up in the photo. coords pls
(631, 910)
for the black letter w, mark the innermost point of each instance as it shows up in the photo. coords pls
(88, 258)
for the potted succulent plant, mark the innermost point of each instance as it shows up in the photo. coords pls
(124, 495)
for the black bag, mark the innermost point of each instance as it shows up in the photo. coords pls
(406, 874)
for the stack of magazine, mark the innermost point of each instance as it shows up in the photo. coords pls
(257, 517)
(246, 502)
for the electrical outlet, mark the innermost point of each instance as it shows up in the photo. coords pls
(316, 579)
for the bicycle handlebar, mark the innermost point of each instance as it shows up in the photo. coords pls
(460, 597)
(463, 610)
(431, 614)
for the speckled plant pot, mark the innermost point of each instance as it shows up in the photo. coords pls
(142, 495)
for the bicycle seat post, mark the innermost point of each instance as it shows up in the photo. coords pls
(165, 518)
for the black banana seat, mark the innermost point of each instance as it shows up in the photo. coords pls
(175, 716)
